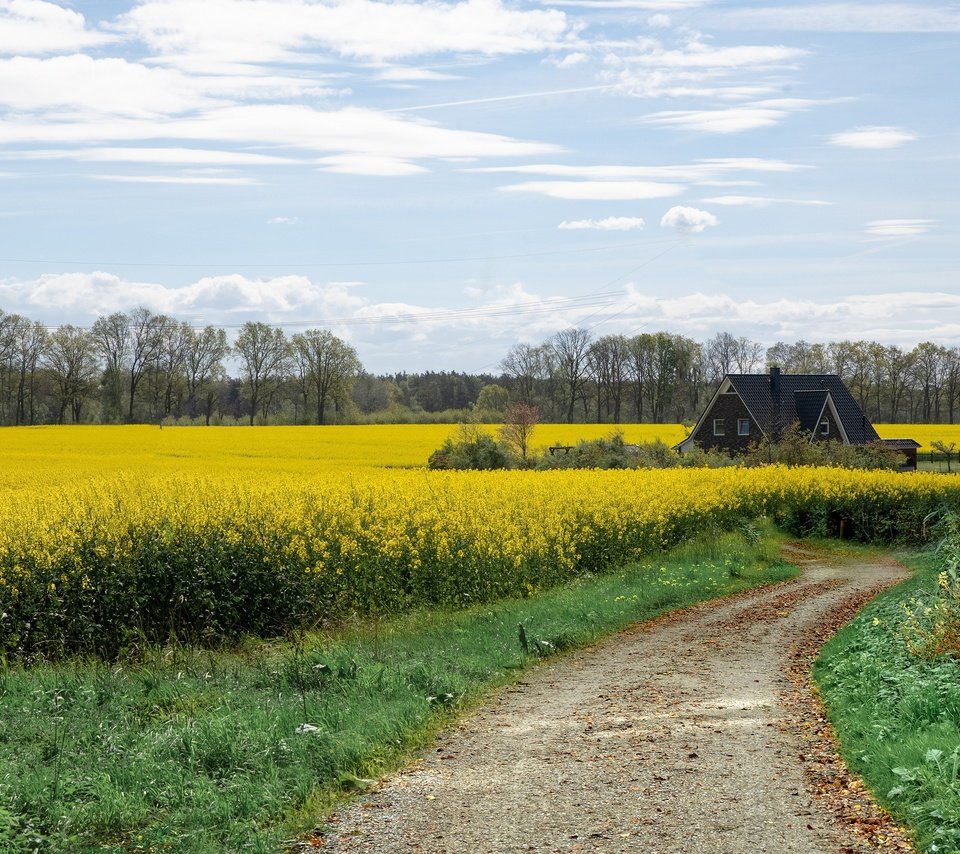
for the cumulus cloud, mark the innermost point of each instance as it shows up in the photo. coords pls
(660, 21)
(899, 227)
(876, 136)
(688, 220)
(475, 335)
(610, 223)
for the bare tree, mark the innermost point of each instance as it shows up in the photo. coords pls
(570, 348)
(146, 338)
(609, 365)
(517, 429)
(524, 364)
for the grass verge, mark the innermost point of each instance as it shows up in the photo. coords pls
(187, 750)
(897, 714)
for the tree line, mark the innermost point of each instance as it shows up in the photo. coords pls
(139, 366)
(663, 377)
(145, 367)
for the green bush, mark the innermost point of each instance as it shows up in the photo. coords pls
(471, 448)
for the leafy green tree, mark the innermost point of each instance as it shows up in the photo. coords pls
(327, 367)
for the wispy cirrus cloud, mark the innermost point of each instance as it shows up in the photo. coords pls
(142, 154)
(610, 223)
(873, 136)
(886, 228)
(852, 17)
(600, 191)
(198, 180)
(759, 201)
(728, 120)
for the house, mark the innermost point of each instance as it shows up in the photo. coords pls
(749, 407)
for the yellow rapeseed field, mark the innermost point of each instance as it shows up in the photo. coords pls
(925, 434)
(112, 534)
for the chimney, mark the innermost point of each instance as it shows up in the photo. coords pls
(775, 426)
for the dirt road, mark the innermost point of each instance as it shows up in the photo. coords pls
(686, 735)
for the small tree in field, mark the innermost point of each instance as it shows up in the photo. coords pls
(517, 429)
(945, 449)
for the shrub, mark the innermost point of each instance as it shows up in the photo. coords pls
(471, 448)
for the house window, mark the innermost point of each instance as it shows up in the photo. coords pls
(719, 427)
(825, 427)
(743, 426)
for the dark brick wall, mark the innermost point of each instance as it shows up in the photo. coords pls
(730, 408)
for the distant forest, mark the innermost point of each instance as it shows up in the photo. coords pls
(142, 367)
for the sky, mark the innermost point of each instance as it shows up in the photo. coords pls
(436, 181)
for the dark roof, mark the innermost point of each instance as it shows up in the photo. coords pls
(809, 406)
(900, 443)
(800, 395)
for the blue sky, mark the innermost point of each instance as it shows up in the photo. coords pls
(437, 181)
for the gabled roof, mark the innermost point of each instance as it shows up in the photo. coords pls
(803, 398)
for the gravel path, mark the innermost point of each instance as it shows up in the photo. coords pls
(684, 735)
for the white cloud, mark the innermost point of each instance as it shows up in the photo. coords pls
(200, 180)
(31, 27)
(688, 220)
(221, 33)
(700, 55)
(918, 17)
(660, 21)
(608, 191)
(283, 220)
(610, 223)
(732, 119)
(705, 171)
(403, 74)
(348, 131)
(170, 155)
(366, 164)
(99, 86)
(571, 60)
(877, 136)
(501, 315)
(899, 227)
(647, 68)
(645, 5)
(759, 201)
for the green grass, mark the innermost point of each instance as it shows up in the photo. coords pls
(186, 750)
(897, 715)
